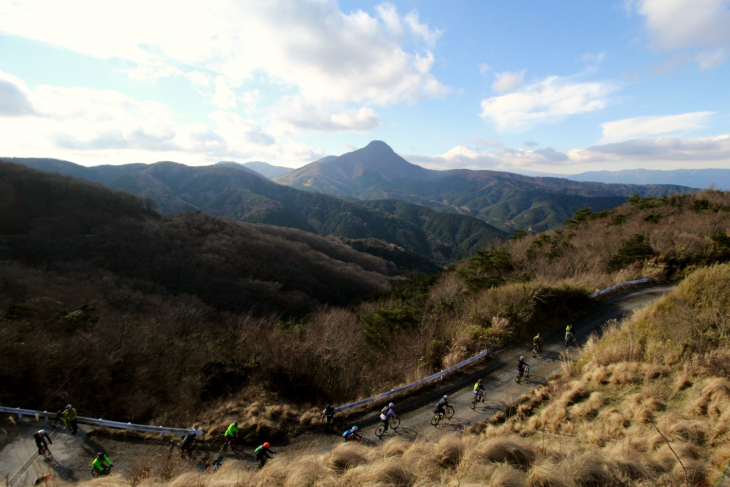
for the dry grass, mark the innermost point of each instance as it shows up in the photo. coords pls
(603, 418)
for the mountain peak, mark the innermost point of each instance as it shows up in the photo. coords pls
(378, 144)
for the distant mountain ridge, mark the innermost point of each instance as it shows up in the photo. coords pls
(696, 178)
(505, 200)
(233, 191)
(262, 168)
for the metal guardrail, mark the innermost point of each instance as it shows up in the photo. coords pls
(617, 286)
(106, 423)
(425, 380)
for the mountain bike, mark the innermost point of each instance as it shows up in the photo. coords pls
(393, 424)
(189, 449)
(536, 348)
(45, 451)
(521, 373)
(58, 421)
(477, 399)
(334, 424)
(236, 444)
(570, 337)
(448, 414)
(106, 471)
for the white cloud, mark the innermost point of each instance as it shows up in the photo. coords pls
(689, 24)
(297, 115)
(546, 101)
(90, 126)
(14, 97)
(508, 81)
(328, 55)
(430, 36)
(633, 128)
(662, 153)
(224, 96)
(593, 58)
(483, 68)
(150, 73)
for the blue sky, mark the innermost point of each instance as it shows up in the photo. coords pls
(522, 86)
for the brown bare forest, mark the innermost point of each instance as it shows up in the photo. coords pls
(137, 317)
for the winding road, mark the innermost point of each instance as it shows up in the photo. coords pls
(20, 464)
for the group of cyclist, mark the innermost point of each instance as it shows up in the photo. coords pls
(69, 418)
(103, 465)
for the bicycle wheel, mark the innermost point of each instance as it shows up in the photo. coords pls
(449, 412)
(94, 472)
(435, 420)
(527, 372)
(518, 376)
(474, 401)
(236, 446)
(394, 423)
(380, 430)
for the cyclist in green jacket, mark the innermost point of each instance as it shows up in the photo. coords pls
(70, 415)
(231, 434)
(102, 463)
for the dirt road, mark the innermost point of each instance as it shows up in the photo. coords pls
(72, 455)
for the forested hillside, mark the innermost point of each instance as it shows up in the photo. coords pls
(235, 192)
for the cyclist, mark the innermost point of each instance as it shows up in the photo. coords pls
(521, 364)
(386, 413)
(216, 463)
(101, 463)
(568, 333)
(478, 389)
(40, 440)
(263, 453)
(537, 342)
(230, 434)
(328, 412)
(70, 415)
(351, 433)
(441, 405)
(187, 443)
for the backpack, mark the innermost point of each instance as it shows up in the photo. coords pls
(384, 411)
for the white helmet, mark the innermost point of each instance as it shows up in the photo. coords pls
(41, 432)
(522, 357)
(445, 396)
(391, 405)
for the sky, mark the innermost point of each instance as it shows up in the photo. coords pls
(557, 87)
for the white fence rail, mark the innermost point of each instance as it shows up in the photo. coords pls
(617, 286)
(425, 380)
(103, 422)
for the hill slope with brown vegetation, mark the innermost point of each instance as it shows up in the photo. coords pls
(646, 405)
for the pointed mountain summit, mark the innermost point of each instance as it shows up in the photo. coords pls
(504, 200)
(357, 173)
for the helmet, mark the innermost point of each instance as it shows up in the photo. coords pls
(391, 405)
(538, 335)
(479, 381)
(266, 444)
(235, 423)
(99, 455)
(68, 406)
(41, 432)
(354, 428)
(522, 357)
(445, 396)
(328, 406)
